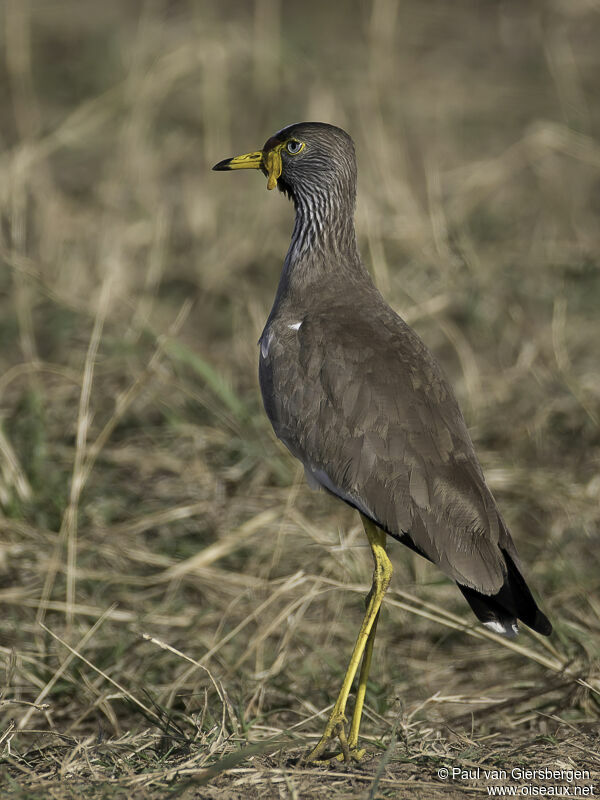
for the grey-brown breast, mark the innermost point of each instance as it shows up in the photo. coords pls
(355, 395)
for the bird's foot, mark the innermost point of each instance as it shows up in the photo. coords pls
(335, 729)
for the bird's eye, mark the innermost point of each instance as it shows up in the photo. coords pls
(293, 146)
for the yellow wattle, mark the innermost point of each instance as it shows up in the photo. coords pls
(273, 166)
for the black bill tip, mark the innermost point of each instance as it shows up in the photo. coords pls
(222, 165)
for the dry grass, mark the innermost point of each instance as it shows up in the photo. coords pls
(178, 607)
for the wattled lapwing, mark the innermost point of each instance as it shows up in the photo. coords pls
(355, 395)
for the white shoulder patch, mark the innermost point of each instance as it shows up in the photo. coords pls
(265, 343)
(295, 325)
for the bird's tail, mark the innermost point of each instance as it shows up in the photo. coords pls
(514, 601)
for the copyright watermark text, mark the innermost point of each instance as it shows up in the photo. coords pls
(525, 781)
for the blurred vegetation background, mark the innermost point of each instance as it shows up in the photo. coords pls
(144, 502)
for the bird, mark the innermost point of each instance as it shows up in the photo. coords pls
(354, 394)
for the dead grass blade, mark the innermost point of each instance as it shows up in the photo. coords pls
(227, 709)
(228, 544)
(149, 713)
(69, 525)
(63, 667)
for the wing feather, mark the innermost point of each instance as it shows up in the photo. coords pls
(363, 404)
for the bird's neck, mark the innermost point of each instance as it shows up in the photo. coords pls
(322, 224)
(323, 248)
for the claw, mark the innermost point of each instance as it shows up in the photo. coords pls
(344, 743)
(353, 753)
(335, 730)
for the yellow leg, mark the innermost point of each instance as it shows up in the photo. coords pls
(365, 668)
(382, 574)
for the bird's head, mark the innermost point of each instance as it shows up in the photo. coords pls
(303, 160)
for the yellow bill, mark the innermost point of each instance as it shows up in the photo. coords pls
(269, 162)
